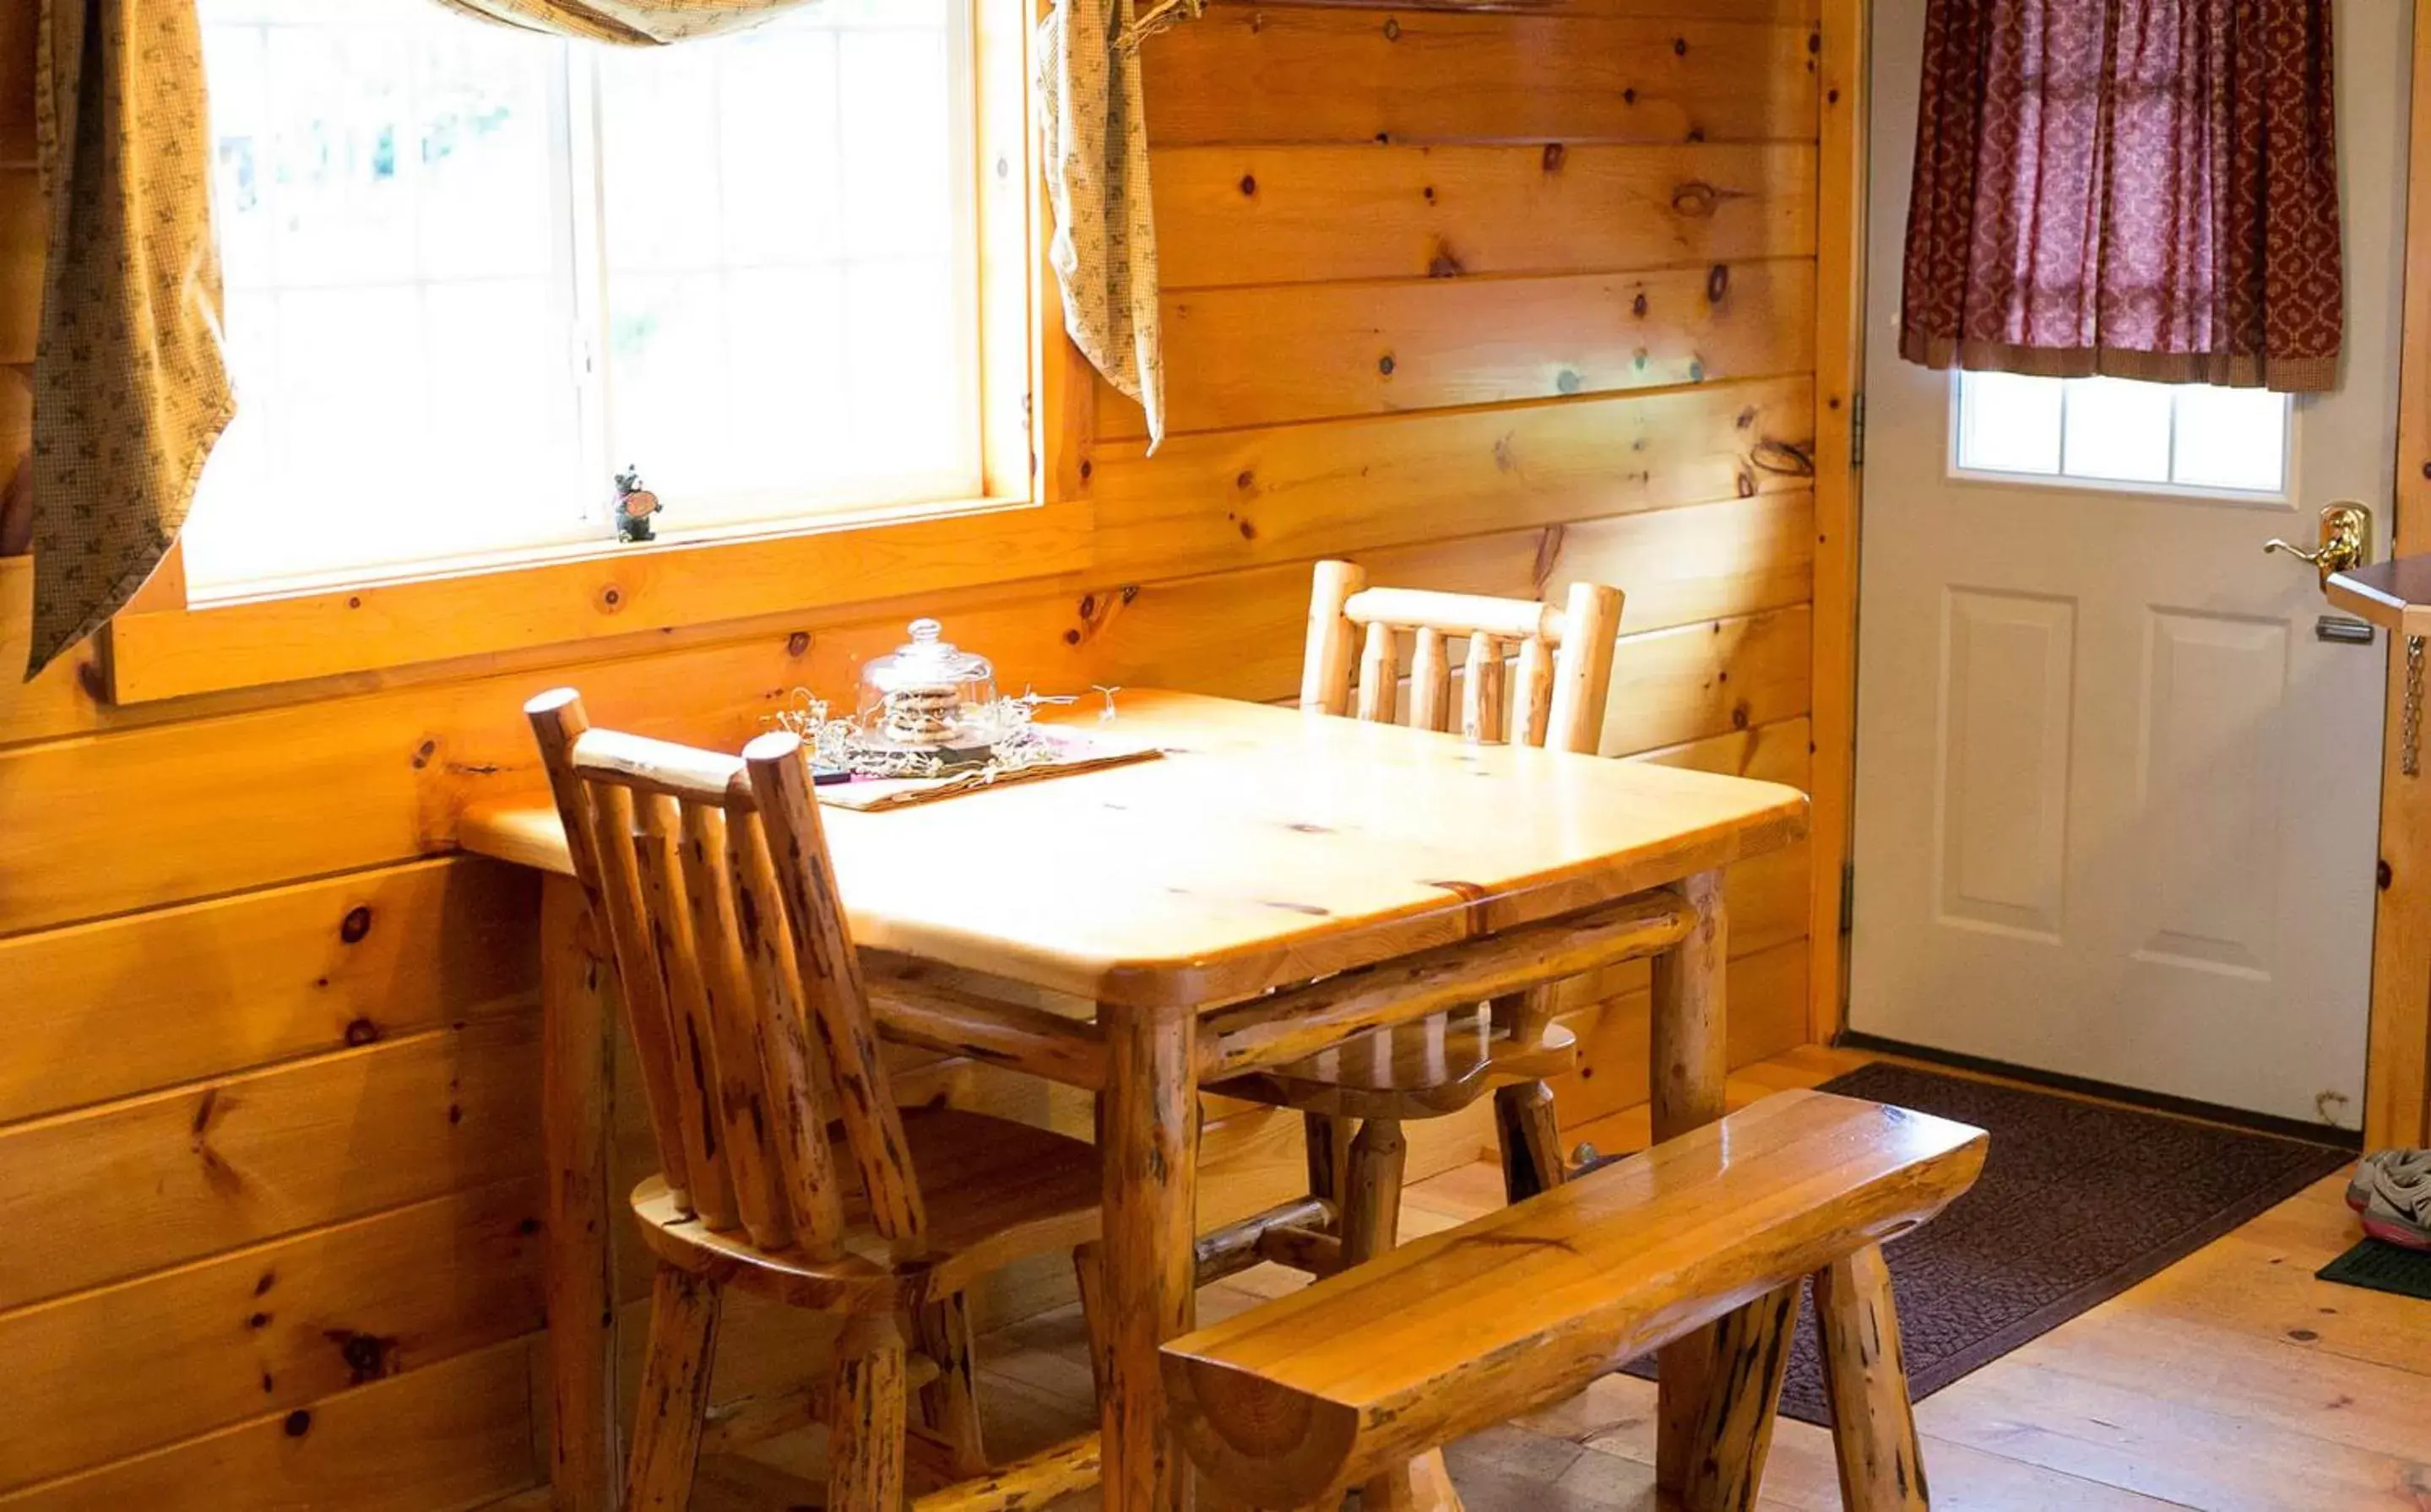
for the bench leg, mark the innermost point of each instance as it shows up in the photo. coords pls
(1421, 1486)
(1689, 1048)
(1874, 1427)
(1733, 1428)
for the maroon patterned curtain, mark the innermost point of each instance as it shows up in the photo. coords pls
(2141, 187)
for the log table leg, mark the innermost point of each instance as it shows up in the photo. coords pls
(574, 977)
(1691, 1062)
(1150, 1131)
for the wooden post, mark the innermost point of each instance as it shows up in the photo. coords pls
(1089, 1279)
(1333, 640)
(951, 1404)
(1372, 1222)
(866, 1432)
(1151, 1206)
(1328, 1161)
(1873, 1432)
(1733, 1423)
(675, 1390)
(1371, 1205)
(1530, 1136)
(575, 1119)
(1690, 1066)
(1840, 40)
(1583, 673)
(2397, 1058)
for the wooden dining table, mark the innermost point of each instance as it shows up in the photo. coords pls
(1274, 882)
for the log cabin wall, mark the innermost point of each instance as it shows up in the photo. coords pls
(1489, 300)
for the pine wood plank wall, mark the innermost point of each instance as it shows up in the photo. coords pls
(1490, 299)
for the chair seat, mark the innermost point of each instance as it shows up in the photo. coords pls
(996, 1192)
(1425, 1069)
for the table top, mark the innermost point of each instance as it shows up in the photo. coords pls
(2396, 595)
(1266, 847)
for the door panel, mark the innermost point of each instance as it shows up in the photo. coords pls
(2208, 786)
(2004, 783)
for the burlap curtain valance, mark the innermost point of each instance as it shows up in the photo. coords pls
(130, 379)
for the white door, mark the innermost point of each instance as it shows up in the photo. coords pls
(2117, 801)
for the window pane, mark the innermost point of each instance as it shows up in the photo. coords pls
(2118, 430)
(658, 141)
(391, 183)
(2232, 439)
(790, 285)
(2008, 423)
(778, 145)
(668, 352)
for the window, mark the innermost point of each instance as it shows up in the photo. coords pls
(2114, 431)
(473, 273)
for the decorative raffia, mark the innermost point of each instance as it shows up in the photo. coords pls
(130, 389)
(1104, 253)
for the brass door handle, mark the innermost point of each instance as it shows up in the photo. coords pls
(2346, 540)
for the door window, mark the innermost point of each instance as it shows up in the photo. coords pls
(2107, 432)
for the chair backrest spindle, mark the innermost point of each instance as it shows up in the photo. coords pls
(558, 721)
(1429, 680)
(829, 969)
(1484, 714)
(1379, 676)
(713, 876)
(723, 1056)
(693, 1049)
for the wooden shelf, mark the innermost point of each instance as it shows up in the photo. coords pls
(2396, 595)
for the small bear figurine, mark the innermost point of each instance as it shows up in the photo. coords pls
(634, 506)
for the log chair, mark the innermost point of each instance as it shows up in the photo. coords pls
(711, 876)
(1442, 1063)
(1439, 1064)
(1293, 1403)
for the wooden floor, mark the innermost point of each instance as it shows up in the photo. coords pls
(2232, 1381)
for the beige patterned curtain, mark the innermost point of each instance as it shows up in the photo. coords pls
(130, 383)
(1104, 251)
(129, 388)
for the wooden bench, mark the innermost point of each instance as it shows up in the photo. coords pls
(1294, 1401)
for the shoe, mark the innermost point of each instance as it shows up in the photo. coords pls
(2391, 1191)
